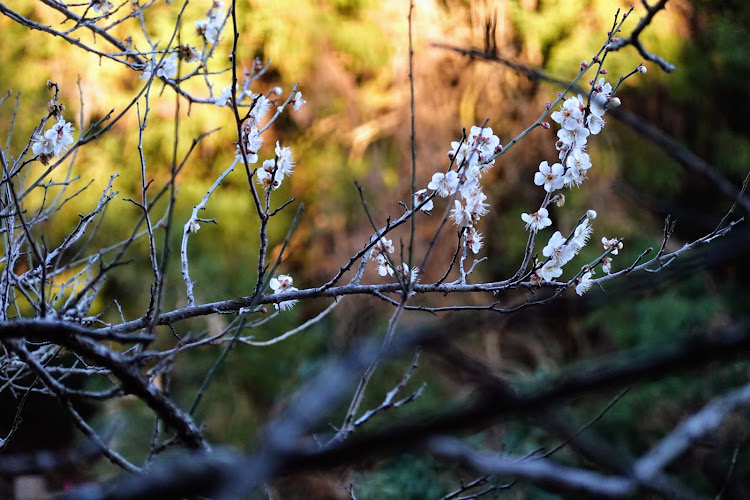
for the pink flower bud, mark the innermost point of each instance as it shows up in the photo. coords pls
(603, 71)
(641, 69)
(547, 105)
(584, 64)
(545, 124)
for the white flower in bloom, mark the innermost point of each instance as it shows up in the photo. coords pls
(570, 115)
(167, 68)
(104, 6)
(260, 108)
(384, 268)
(298, 102)
(607, 265)
(595, 123)
(283, 284)
(573, 177)
(419, 198)
(557, 250)
(55, 141)
(382, 247)
(270, 175)
(476, 206)
(600, 98)
(581, 235)
(444, 184)
(473, 240)
(285, 160)
(584, 283)
(613, 243)
(476, 150)
(224, 97)
(461, 215)
(550, 271)
(550, 176)
(537, 220)
(575, 137)
(579, 159)
(253, 142)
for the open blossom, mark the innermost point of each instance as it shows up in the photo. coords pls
(550, 270)
(473, 240)
(210, 27)
(270, 175)
(537, 220)
(444, 184)
(558, 250)
(573, 137)
(298, 102)
(600, 98)
(607, 265)
(480, 145)
(420, 197)
(253, 142)
(55, 141)
(224, 97)
(285, 160)
(384, 268)
(613, 243)
(166, 69)
(584, 283)
(383, 246)
(283, 284)
(570, 115)
(595, 123)
(551, 177)
(581, 234)
(260, 108)
(461, 215)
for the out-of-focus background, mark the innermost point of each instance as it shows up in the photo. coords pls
(350, 58)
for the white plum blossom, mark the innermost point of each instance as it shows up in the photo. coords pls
(595, 123)
(270, 175)
(581, 234)
(570, 115)
(480, 145)
(600, 98)
(607, 265)
(538, 220)
(461, 215)
(473, 240)
(285, 160)
(558, 250)
(420, 197)
(283, 284)
(379, 251)
(444, 184)
(551, 177)
(614, 243)
(260, 108)
(167, 68)
(550, 270)
(409, 275)
(573, 138)
(55, 141)
(210, 27)
(224, 97)
(584, 283)
(253, 142)
(298, 102)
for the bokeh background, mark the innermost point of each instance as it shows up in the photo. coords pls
(351, 60)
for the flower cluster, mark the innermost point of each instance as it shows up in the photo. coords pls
(210, 27)
(560, 250)
(283, 284)
(274, 170)
(166, 69)
(382, 248)
(54, 142)
(472, 158)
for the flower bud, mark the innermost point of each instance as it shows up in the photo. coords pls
(558, 199)
(276, 90)
(547, 105)
(591, 214)
(545, 125)
(603, 71)
(641, 69)
(584, 64)
(614, 102)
